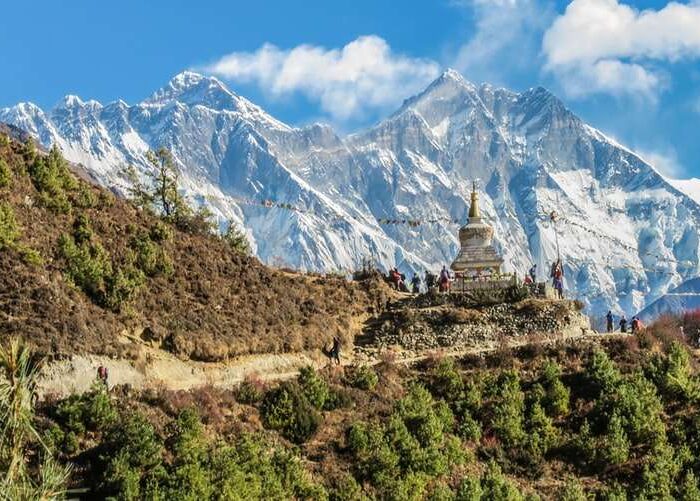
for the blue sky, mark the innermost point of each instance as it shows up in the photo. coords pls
(630, 69)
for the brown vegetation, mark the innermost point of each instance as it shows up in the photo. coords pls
(214, 303)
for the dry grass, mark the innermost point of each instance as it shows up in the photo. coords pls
(216, 304)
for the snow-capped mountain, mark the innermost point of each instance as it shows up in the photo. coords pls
(624, 233)
(685, 297)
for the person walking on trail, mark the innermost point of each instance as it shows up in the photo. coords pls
(102, 374)
(444, 280)
(533, 273)
(335, 350)
(415, 282)
(623, 324)
(609, 318)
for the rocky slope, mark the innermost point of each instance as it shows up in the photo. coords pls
(625, 234)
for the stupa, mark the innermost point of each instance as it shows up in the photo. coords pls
(477, 255)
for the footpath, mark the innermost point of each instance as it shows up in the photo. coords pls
(160, 369)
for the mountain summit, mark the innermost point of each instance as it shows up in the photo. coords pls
(625, 235)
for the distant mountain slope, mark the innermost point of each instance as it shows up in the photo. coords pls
(625, 234)
(685, 297)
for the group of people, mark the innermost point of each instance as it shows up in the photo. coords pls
(636, 324)
(441, 281)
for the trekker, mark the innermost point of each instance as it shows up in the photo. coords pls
(444, 280)
(429, 280)
(635, 325)
(395, 277)
(559, 287)
(528, 280)
(415, 282)
(623, 324)
(102, 374)
(609, 318)
(533, 273)
(335, 350)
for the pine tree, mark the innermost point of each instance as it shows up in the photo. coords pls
(236, 239)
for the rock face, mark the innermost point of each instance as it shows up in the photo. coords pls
(624, 233)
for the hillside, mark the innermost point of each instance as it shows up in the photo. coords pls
(397, 192)
(83, 271)
(212, 392)
(608, 418)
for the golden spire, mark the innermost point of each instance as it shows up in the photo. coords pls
(474, 209)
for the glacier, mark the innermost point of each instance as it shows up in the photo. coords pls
(626, 234)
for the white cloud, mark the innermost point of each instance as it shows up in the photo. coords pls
(603, 46)
(362, 77)
(506, 37)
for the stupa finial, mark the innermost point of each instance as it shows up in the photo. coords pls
(474, 209)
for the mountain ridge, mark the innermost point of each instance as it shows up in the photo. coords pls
(531, 153)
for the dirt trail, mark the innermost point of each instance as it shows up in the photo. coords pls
(160, 369)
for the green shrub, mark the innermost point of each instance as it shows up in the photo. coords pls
(150, 257)
(446, 381)
(496, 487)
(30, 256)
(236, 239)
(603, 373)
(364, 378)
(468, 428)
(556, 398)
(585, 443)
(689, 490)
(122, 286)
(190, 477)
(87, 265)
(161, 232)
(346, 488)
(90, 268)
(287, 409)
(541, 435)
(440, 492)
(659, 474)
(469, 489)
(84, 198)
(131, 453)
(52, 179)
(614, 448)
(572, 491)
(252, 469)
(338, 398)
(5, 174)
(413, 446)
(9, 230)
(673, 374)
(250, 392)
(93, 410)
(508, 410)
(313, 386)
